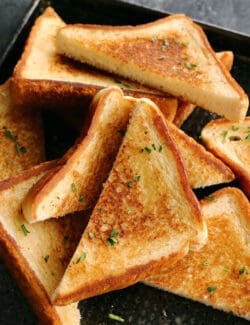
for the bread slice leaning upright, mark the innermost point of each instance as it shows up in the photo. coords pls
(171, 54)
(219, 274)
(146, 215)
(231, 143)
(37, 255)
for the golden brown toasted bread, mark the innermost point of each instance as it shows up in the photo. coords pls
(231, 143)
(146, 215)
(219, 274)
(171, 54)
(77, 184)
(42, 78)
(21, 136)
(185, 109)
(37, 255)
(203, 169)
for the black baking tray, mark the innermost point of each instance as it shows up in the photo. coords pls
(138, 304)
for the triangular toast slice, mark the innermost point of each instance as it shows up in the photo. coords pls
(146, 216)
(219, 274)
(231, 143)
(21, 136)
(203, 168)
(185, 109)
(42, 78)
(37, 255)
(171, 54)
(78, 183)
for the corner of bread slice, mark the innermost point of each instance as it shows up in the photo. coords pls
(172, 55)
(36, 255)
(203, 168)
(76, 184)
(145, 216)
(230, 142)
(218, 274)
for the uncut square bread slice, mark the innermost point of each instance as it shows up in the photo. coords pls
(37, 255)
(146, 216)
(219, 274)
(171, 54)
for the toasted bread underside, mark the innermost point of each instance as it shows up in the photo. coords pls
(37, 255)
(185, 109)
(231, 143)
(146, 215)
(171, 54)
(43, 78)
(217, 275)
(21, 136)
(203, 168)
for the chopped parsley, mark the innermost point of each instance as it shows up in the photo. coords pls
(81, 198)
(190, 65)
(46, 258)
(91, 235)
(130, 184)
(116, 317)
(205, 263)
(20, 149)
(147, 149)
(211, 289)
(112, 238)
(137, 178)
(224, 134)
(153, 146)
(8, 134)
(226, 270)
(25, 230)
(242, 270)
(129, 210)
(73, 187)
(165, 42)
(117, 81)
(153, 39)
(235, 128)
(247, 137)
(99, 210)
(81, 258)
(210, 197)
(160, 148)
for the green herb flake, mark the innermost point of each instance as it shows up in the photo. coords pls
(129, 211)
(242, 270)
(224, 134)
(112, 238)
(73, 187)
(160, 148)
(205, 263)
(122, 132)
(210, 197)
(137, 178)
(25, 230)
(247, 137)
(153, 146)
(20, 149)
(226, 269)
(147, 149)
(130, 184)
(165, 42)
(235, 128)
(8, 134)
(211, 289)
(117, 81)
(81, 198)
(91, 235)
(153, 39)
(8, 162)
(190, 65)
(116, 317)
(46, 258)
(81, 258)
(99, 210)
(114, 233)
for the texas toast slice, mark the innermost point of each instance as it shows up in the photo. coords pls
(171, 54)
(231, 143)
(146, 215)
(37, 255)
(218, 274)
(21, 136)
(42, 78)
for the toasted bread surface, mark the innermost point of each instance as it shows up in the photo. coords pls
(203, 168)
(171, 54)
(231, 143)
(43, 78)
(217, 275)
(146, 215)
(21, 136)
(185, 109)
(37, 255)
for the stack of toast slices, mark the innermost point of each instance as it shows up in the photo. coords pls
(119, 206)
